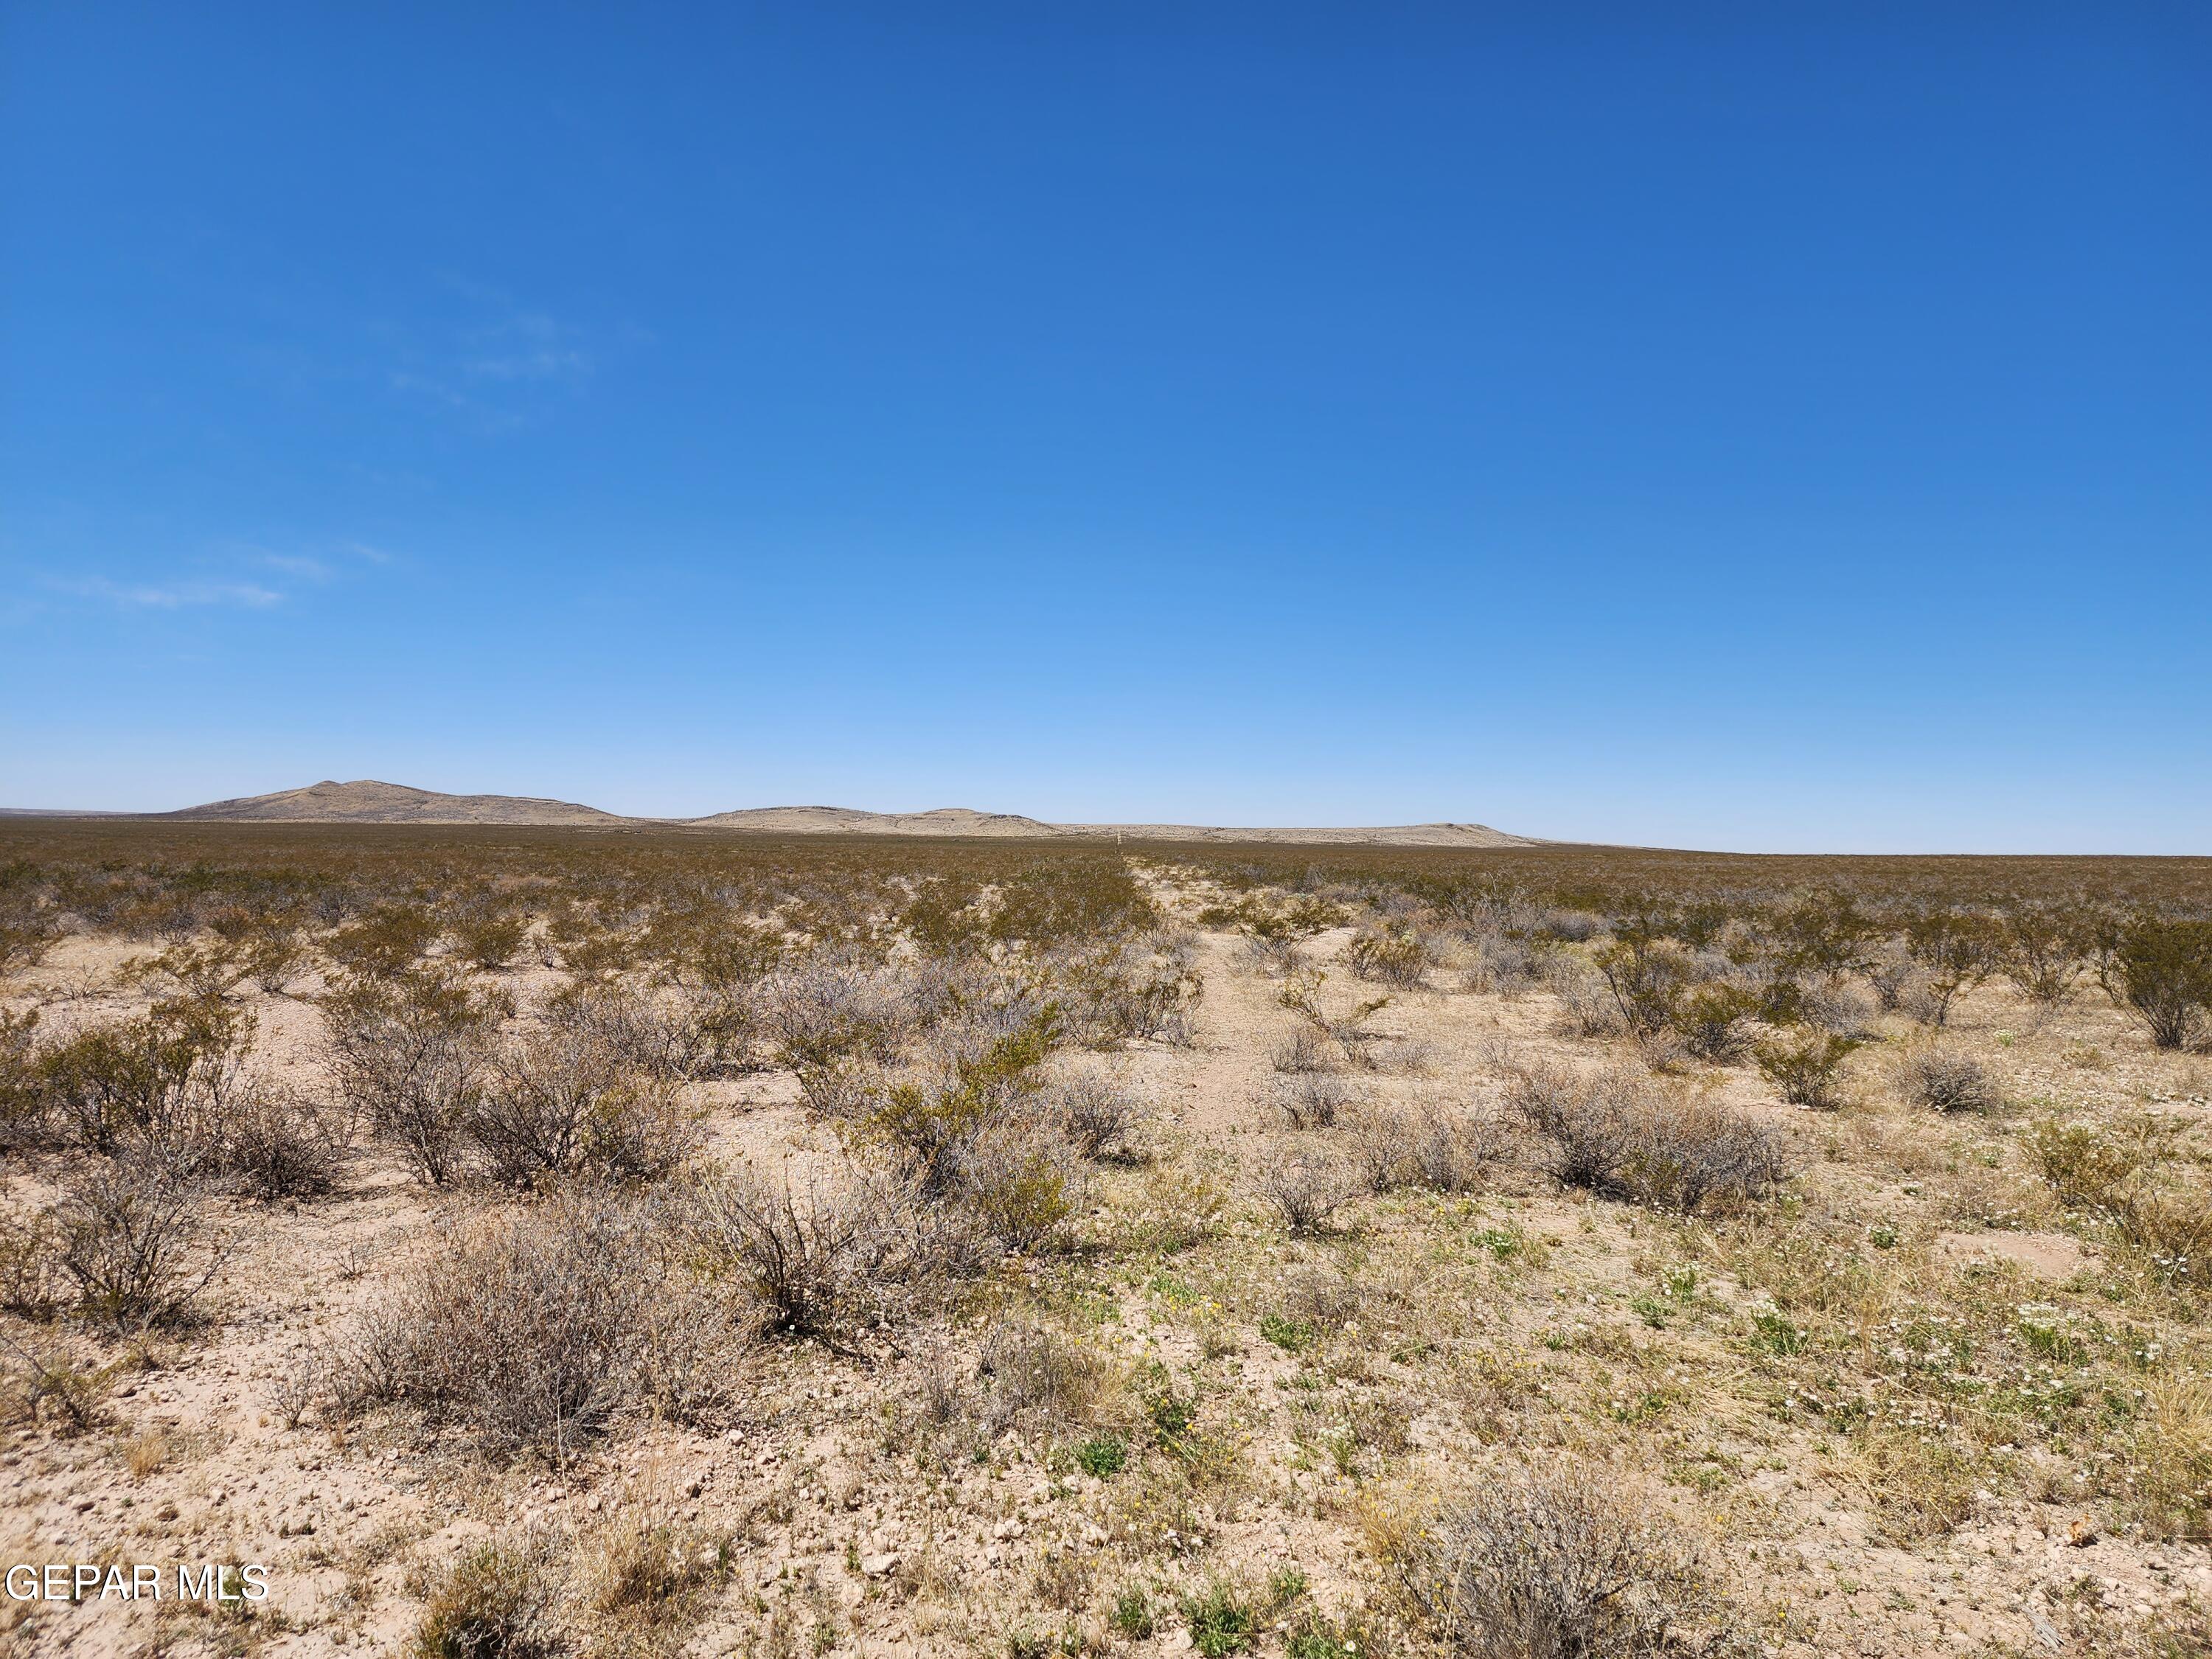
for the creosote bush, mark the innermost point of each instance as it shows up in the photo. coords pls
(1807, 1067)
(2161, 970)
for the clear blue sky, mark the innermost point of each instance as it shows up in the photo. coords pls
(1767, 426)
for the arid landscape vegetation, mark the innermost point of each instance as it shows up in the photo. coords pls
(634, 1240)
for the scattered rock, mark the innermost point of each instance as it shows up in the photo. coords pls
(877, 1566)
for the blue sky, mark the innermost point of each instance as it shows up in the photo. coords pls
(1754, 426)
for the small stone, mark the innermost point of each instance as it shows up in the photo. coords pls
(877, 1566)
(593, 1502)
(694, 1487)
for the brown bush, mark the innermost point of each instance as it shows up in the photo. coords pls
(1560, 1561)
(532, 1331)
(825, 1253)
(277, 1142)
(1101, 1116)
(563, 1101)
(134, 1239)
(1944, 1082)
(1314, 1100)
(1617, 1133)
(1427, 1144)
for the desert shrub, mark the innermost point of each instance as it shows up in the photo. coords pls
(1022, 1176)
(23, 1098)
(1619, 1134)
(1144, 988)
(1647, 976)
(387, 941)
(1347, 1028)
(2042, 950)
(827, 1254)
(1305, 1049)
(1714, 1021)
(1806, 1067)
(1892, 975)
(1100, 1115)
(1039, 1381)
(1832, 1004)
(2162, 971)
(563, 1101)
(1427, 1145)
(134, 1240)
(1500, 963)
(1304, 1188)
(532, 1331)
(1314, 1100)
(412, 1053)
(486, 936)
(277, 1142)
(145, 1077)
(28, 930)
(1560, 1562)
(1956, 950)
(1587, 1007)
(833, 1008)
(976, 1076)
(1392, 956)
(1944, 1082)
(496, 1601)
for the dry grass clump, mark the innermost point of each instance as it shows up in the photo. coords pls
(1305, 1188)
(2142, 1180)
(496, 1601)
(533, 1331)
(1556, 1563)
(1618, 1132)
(1040, 1380)
(1944, 1082)
(1315, 1100)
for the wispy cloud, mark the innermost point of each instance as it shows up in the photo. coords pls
(170, 596)
(497, 370)
(239, 575)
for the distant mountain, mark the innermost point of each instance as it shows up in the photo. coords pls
(366, 801)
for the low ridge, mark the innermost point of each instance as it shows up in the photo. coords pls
(366, 801)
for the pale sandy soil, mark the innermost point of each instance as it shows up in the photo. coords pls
(1492, 1322)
